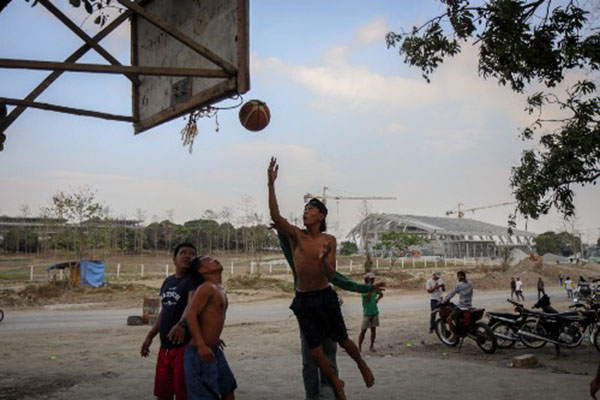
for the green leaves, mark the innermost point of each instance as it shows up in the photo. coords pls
(522, 42)
(569, 154)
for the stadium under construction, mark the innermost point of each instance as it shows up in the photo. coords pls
(447, 237)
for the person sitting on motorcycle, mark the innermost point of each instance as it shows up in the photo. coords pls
(464, 289)
(583, 287)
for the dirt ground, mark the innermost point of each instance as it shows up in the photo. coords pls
(79, 362)
(83, 363)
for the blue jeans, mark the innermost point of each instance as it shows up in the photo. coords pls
(207, 380)
(316, 384)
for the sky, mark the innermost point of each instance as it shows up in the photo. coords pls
(346, 114)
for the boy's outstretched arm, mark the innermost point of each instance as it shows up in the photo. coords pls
(281, 224)
(199, 301)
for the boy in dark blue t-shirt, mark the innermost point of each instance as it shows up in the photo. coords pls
(175, 292)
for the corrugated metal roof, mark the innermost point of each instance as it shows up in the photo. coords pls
(442, 225)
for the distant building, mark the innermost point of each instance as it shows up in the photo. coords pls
(449, 237)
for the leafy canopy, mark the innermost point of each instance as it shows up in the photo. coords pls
(522, 42)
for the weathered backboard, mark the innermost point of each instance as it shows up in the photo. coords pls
(219, 32)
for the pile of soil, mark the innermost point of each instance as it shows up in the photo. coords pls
(65, 293)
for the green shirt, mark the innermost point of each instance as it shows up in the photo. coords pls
(370, 306)
(338, 280)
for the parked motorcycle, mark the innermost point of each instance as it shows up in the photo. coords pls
(468, 325)
(583, 292)
(505, 326)
(562, 329)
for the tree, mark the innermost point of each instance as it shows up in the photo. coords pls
(396, 243)
(82, 210)
(522, 42)
(92, 7)
(562, 243)
(348, 247)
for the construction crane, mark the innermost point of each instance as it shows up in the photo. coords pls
(324, 197)
(461, 212)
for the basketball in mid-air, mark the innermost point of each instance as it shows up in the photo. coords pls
(255, 115)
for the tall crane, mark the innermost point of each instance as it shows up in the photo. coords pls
(461, 212)
(324, 197)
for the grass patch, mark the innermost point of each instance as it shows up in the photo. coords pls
(257, 282)
(11, 276)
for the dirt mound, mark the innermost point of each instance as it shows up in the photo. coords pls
(64, 292)
(256, 282)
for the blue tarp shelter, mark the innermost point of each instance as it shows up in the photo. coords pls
(84, 272)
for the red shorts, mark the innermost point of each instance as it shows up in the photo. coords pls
(170, 379)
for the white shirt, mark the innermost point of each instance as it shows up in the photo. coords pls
(569, 284)
(437, 293)
(518, 285)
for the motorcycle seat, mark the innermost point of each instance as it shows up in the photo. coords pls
(503, 315)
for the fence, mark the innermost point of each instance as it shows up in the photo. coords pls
(129, 272)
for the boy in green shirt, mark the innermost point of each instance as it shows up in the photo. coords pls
(370, 312)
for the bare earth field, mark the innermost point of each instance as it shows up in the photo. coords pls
(81, 362)
(76, 345)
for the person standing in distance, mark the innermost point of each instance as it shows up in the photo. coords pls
(434, 286)
(540, 287)
(370, 312)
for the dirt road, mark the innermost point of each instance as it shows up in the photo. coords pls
(85, 316)
(85, 354)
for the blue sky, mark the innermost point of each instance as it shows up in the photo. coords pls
(347, 113)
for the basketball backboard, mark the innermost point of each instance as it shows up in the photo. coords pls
(219, 31)
(185, 55)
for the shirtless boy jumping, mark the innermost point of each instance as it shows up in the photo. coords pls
(207, 374)
(316, 304)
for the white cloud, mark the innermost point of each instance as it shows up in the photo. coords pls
(374, 31)
(355, 85)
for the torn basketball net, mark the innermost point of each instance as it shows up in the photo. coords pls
(190, 130)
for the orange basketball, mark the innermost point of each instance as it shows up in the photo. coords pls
(255, 115)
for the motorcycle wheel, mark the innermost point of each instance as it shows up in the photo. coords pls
(596, 339)
(532, 326)
(485, 338)
(1, 315)
(443, 332)
(505, 330)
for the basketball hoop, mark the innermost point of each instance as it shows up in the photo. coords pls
(190, 130)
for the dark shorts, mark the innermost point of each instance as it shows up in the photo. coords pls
(169, 379)
(207, 380)
(319, 316)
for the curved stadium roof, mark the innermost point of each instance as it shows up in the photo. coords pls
(442, 225)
